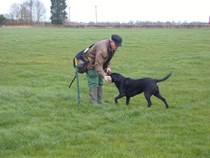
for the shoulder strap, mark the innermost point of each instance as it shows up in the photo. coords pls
(85, 51)
(108, 59)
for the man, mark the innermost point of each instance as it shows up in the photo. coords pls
(99, 56)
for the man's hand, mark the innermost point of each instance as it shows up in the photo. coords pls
(108, 79)
(108, 70)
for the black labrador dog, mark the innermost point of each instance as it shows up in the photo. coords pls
(130, 87)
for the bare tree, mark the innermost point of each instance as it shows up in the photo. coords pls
(15, 11)
(25, 13)
(29, 10)
(39, 10)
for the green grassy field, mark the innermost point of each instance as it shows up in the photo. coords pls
(39, 116)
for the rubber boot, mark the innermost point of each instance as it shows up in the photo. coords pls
(100, 92)
(93, 95)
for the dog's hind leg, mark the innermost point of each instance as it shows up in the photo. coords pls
(147, 96)
(158, 95)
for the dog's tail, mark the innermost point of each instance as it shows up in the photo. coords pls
(163, 79)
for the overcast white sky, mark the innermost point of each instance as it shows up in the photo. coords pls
(129, 10)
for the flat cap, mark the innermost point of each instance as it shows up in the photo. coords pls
(117, 40)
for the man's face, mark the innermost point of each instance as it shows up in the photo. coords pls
(113, 45)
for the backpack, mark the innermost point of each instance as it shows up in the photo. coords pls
(80, 61)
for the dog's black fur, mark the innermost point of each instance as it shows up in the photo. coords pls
(130, 87)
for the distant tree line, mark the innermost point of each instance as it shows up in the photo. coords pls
(143, 24)
(32, 12)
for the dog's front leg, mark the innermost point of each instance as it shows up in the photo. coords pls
(118, 97)
(127, 100)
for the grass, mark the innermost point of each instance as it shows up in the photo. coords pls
(39, 116)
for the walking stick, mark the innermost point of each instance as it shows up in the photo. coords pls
(77, 77)
(78, 88)
(72, 81)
